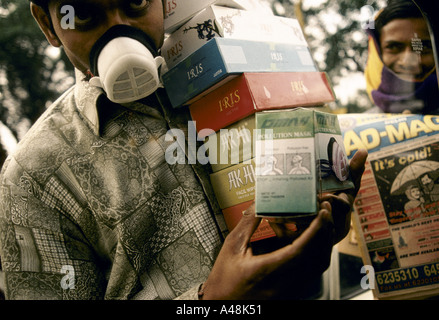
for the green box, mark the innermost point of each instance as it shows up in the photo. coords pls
(299, 155)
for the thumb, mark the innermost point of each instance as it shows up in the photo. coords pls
(357, 167)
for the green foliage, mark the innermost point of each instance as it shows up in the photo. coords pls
(26, 72)
(339, 43)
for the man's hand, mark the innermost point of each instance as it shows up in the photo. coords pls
(342, 202)
(239, 274)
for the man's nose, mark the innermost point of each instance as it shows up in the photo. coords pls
(410, 60)
(117, 17)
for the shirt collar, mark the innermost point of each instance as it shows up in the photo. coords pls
(87, 98)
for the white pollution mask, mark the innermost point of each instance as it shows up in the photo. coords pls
(124, 63)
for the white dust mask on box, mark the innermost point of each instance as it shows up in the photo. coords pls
(124, 63)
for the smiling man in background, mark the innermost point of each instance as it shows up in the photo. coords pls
(401, 71)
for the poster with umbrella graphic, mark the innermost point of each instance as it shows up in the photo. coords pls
(408, 183)
(409, 188)
(397, 207)
(412, 173)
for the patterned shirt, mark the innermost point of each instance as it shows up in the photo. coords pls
(90, 208)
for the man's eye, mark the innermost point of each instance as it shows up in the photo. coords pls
(138, 4)
(83, 16)
(427, 47)
(394, 47)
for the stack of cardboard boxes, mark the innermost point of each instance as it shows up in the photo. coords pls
(228, 63)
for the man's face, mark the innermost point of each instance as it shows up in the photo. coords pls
(94, 17)
(415, 193)
(425, 180)
(407, 48)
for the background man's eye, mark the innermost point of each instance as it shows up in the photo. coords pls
(138, 4)
(394, 47)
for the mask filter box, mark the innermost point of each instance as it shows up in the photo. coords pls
(300, 155)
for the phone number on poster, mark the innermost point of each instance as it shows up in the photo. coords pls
(408, 278)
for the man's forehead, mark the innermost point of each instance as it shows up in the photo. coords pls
(418, 24)
(89, 2)
(97, 3)
(401, 28)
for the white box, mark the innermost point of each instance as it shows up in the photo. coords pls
(225, 22)
(180, 11)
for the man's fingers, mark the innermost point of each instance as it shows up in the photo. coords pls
(358, 161)
(285, 230)
(341, 213)
(321, 226)
(242, 233)
(314, 244)
(356, 166)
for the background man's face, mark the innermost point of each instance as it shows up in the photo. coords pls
(94, 17)
(425, 180)
(399, 54)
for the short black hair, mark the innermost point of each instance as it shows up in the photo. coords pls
(397, 9)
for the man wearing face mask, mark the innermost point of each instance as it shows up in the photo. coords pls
(401, 72)
(89, 207)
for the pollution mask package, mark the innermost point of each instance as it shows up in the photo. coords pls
(125, 64)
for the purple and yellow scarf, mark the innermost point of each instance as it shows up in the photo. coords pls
(393, 94)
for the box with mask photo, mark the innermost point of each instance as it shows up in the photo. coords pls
(306, 158)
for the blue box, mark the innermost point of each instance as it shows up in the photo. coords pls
(221, 57)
